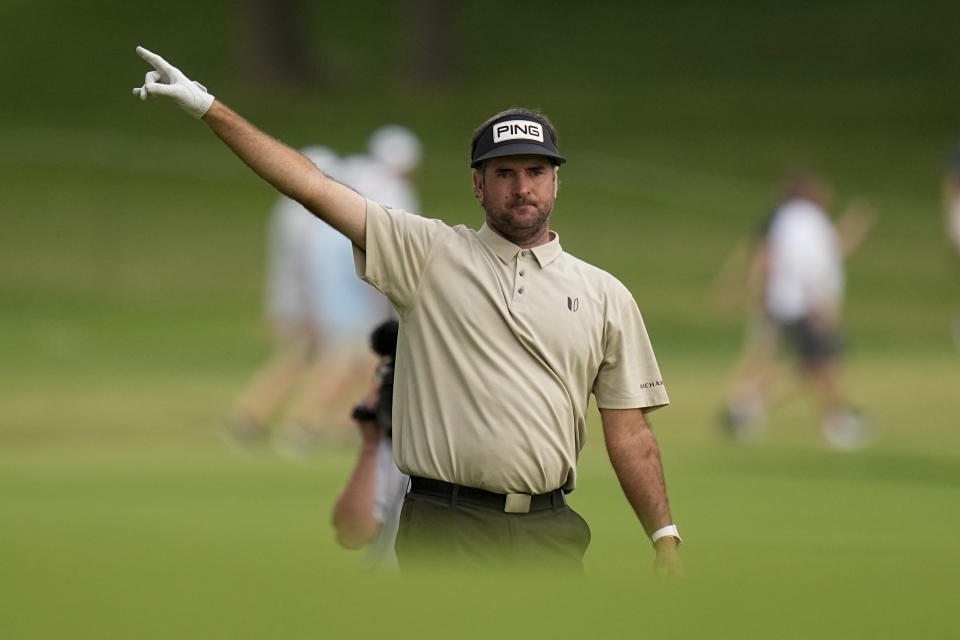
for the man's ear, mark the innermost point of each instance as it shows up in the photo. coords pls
(477, 184)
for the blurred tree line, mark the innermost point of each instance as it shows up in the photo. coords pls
(276, 47)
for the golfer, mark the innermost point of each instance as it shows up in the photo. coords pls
(503, 336)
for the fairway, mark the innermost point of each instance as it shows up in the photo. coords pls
(131, 274)
(168, 532)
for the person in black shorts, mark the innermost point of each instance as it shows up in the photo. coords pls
(797, 279)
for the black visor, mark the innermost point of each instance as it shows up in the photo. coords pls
(515, 135)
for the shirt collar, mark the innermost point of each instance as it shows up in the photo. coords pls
(507, 251)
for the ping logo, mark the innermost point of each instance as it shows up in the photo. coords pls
(573, 303)
(517, 130)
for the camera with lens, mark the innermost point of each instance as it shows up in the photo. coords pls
(383, 342)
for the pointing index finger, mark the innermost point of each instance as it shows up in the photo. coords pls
(159, 63)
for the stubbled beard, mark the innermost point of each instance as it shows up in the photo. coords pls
(505, 223)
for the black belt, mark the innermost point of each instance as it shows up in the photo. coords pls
(510, 502)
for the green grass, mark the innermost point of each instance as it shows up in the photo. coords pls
(131, 267)
(131, 319)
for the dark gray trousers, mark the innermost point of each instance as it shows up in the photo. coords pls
(440, 533)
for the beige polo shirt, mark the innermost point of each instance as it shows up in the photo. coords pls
(499, 350)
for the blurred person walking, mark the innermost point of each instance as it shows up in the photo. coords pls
(951, 219)
(503, 337)
(794, 294)
(319, 312)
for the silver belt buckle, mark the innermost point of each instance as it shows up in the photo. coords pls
(517, 503)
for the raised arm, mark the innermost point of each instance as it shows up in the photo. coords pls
(635, 456)
(853, 225)
(352, 516)
(289, 171)
(353, 513)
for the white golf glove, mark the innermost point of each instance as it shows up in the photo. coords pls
(167, 80)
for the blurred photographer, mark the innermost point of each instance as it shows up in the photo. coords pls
(368, 510)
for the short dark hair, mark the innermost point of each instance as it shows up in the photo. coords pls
(520, 112)
(807, 185)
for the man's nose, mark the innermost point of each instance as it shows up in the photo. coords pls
(522, 185)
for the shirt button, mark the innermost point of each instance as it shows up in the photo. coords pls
(523, 254)
(522, 273)
(520, 290)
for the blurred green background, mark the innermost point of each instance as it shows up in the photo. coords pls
(131, 270)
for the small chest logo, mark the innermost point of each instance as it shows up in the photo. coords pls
(573, 303)
(517, 130)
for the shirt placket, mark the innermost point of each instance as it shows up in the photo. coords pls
(521, 280)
